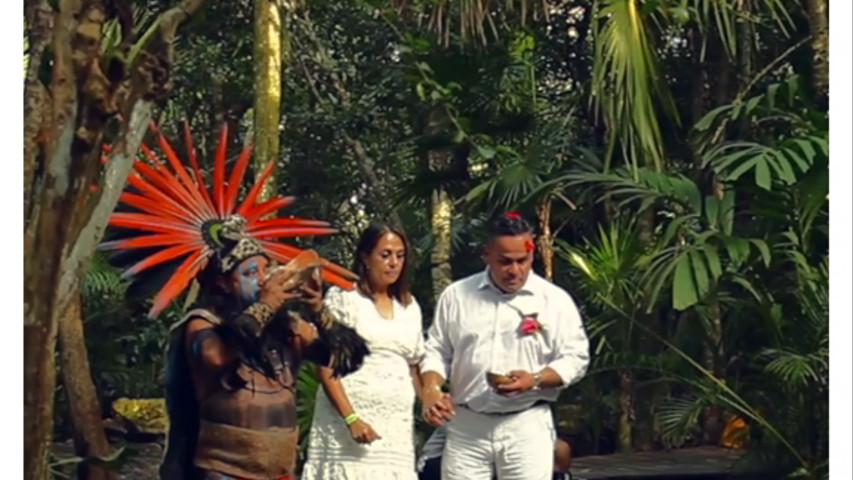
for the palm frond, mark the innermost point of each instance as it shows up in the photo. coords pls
(677, 419)
(628, 85)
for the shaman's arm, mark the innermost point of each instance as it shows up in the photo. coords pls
(329, 343)
(206, 348)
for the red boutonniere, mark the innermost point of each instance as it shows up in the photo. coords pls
(530, 324)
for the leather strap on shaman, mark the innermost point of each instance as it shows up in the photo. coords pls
(251, 322)
(261, 312)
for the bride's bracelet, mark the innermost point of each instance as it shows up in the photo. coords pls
(351, 418)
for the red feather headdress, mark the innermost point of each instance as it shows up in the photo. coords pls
(180, 218)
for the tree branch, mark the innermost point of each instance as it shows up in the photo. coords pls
(118, 167)
(718, 134)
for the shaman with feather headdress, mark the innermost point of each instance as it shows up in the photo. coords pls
(233, 358)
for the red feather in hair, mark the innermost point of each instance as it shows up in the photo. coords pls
(172, 205)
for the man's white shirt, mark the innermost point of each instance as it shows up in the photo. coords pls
(477, 329)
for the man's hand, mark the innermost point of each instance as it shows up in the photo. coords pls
(437, 407)
(362, 432)
(522, 382)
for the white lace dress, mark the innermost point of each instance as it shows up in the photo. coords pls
(381, 393)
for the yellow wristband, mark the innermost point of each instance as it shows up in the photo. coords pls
(351, 418)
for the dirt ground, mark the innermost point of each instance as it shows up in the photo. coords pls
(140, 462)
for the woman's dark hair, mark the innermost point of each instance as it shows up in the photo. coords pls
(369, 238)
(211, 295)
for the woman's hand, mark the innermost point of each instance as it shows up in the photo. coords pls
(362, 432)
(437, 407)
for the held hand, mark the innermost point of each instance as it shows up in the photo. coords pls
(278, 288)
(362, 432)
(437, 407)
(522, 381)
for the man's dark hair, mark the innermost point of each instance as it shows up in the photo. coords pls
(509, 224)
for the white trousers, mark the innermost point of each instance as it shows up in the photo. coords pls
(516, 447)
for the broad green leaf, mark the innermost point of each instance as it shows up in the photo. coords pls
(673, 228)
(792, 85)
(737, 111)
(786, 172)
(748, 286)
(486, 151)
(771, 94)
(776, 312)
(750, 105)
(808, 150)
(713, 260)
(762, 247)
(659, 272)
(722, 162)
(822, 143)
(683, 286)
(691, 191)
(738, 249)
(705, 122)
(700, 273)
(712, 210)
(762, 173)
(703, 237)
(681, 15)
(727, 211)
(477, 191)
(743, 168)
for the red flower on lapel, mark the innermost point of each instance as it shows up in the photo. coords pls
(530, 323)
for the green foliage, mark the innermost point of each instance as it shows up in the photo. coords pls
(785, 157)
(696, 252)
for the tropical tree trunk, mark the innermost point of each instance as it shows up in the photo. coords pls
(546, 238)
(441, 215)
(745, 49)
(626, 410)
(36, 107)
(70, 200)
(642, 430)
(89, 436)
(267, 106)
(711, 360)
(441, 212)
(818, 11)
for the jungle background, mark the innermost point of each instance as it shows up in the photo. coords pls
(673, 155)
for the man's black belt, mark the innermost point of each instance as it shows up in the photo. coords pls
(503, 414)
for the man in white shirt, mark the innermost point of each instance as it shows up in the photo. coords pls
(508, 321)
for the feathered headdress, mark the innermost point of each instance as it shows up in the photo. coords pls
(174, 214)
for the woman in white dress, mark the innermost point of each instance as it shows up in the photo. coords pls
(363, 426)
